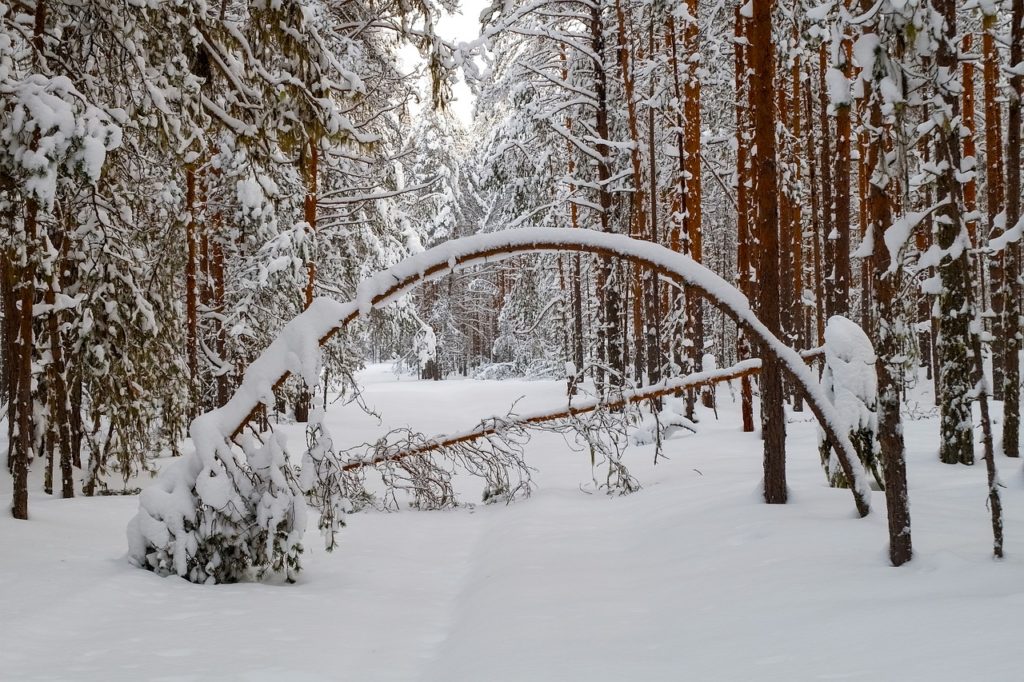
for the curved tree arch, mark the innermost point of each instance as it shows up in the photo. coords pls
(163, 520)
(458, 254)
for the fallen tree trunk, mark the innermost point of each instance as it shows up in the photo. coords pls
(492, 426)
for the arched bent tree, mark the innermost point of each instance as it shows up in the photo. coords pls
(206, 509)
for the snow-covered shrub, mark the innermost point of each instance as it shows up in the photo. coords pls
(217, 515)
(851, 385)
(219, 520)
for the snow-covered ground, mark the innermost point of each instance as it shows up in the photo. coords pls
(692, 578)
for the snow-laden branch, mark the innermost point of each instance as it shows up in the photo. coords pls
(489, 427)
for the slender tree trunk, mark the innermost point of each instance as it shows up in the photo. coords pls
(828, 256)
(925, 238)
(787, 209)
(816, 221)
(743, 260)
(217, 267)
(762, 62)
(970, 151)
(842, 270)
(9, 277)
(652, 286)
(204, 280)
(890, 323)
(692, 216)
(866, 294)
(994, 199)
(310, 168)
(611, 329)
(797, 333)
(577, 274)
(682, 330)
(574, 333)
(1011, 314)
(21, 444)
(638, 207)
(191, 292)
(60, 427)
(957, 441)
(20, 449)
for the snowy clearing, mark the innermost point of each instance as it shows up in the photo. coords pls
(690, 578)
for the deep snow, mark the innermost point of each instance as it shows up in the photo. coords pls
(690, 578)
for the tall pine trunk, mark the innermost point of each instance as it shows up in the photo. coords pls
(1011, 313)
(762, 62)
(191, 291)
(954, 346)
(743, 227)
(308, 159)
(994, 201)
(841, 270)
(886, 286)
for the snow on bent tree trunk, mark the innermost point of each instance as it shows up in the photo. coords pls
(214, 517)
(851, 385)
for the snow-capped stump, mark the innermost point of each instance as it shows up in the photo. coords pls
(851, 385)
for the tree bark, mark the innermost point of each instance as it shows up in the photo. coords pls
(954, 347)
(638, 207)
(1011, 315)
(994, 194)
(611, 328)
(762, 62)
(652, 286)
(310, 170)
(191, 292)
(692, 216)
(888, 369)
(828, 248)
(21, 447)
(743, 260)
(840, 288)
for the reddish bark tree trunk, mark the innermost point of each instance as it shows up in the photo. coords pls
(191, 292)
(994, 199)
(309, 162)
(1011, 314)
(762, 62)
(743, 264)
(840, 285)
(887, 347)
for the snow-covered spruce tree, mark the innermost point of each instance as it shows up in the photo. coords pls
(850, 384)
